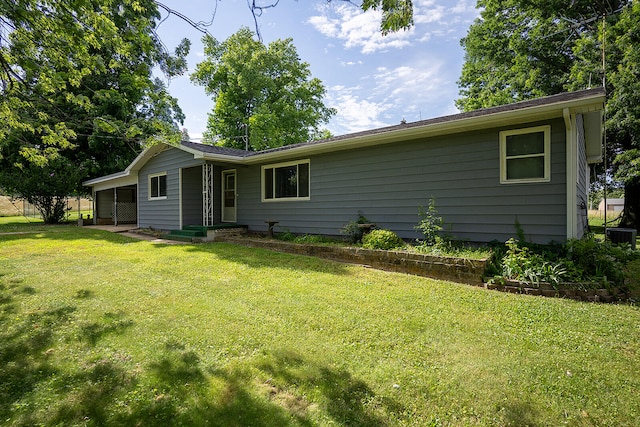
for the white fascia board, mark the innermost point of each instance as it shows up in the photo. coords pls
(113, 176)
(112, 181)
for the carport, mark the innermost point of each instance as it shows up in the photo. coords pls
(115, 200)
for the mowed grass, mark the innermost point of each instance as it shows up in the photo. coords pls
(100, 329)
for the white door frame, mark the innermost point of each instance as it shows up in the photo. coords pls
(229, 214)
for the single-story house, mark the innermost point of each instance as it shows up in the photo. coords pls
(489, 170)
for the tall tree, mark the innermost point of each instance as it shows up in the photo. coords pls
(78, 96)
(522, 49)
(264, 95)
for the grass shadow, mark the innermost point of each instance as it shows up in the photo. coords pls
(25, 339)
(185, 393)
(346, 399)
(259, 258)
(62, 232)
(111, 323)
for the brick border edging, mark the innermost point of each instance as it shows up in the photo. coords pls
(461, 270)
(605, 295)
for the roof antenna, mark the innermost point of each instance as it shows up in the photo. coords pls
(604, 131)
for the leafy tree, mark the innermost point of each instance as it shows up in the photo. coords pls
(261, 92)
(523, 49)
(78, 97)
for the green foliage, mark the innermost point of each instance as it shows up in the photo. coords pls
(590, 259)
(430, 224)
(85, 98)
(264, 92)
(396, 14)
(382, 239)
(352, 229)
(583, 261)
(521, 263)
(286, 235)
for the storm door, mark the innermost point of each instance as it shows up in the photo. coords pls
(229, 196)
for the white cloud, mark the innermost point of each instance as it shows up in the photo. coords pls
(411, 82)
(354, 114)
(426, 12)
(391, 94)
(357, 29)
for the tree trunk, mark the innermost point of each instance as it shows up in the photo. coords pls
(631, 213)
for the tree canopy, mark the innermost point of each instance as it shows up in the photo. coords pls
(78, 96)
(263, 93)
(523, 49)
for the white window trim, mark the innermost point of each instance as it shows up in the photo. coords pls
(546, 129)
(155, 175)
(282, 165)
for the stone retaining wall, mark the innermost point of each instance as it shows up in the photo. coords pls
(564, 290)
(446, 268)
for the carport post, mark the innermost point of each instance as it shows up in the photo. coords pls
(115, 206)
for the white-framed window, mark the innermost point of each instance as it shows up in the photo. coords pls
(158, 186)
(286, 181)
(525, 155)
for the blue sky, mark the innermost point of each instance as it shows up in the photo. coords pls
(372, 80)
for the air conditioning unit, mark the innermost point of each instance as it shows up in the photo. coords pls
(622, 235)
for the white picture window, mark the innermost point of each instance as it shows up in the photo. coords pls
(286, 181)
(158, 186)
(525, 155)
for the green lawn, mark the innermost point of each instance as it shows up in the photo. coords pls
(100, 329)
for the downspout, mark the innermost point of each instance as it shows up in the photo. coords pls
(571, 172)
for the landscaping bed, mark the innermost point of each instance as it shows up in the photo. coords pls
(462, 270)
(591, 293)
(456, 269)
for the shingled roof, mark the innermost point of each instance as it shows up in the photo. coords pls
(552, 100)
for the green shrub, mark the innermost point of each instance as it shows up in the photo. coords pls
(352, 229)
(286, 235)
(430, 224)
(582, 261)
(594, 260)
(521, 263)
(382, 239)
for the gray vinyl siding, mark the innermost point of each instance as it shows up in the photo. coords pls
(163, 214)
(192, 196)
(582, 190)
(388, 182)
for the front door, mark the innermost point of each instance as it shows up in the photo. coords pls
(229, 196)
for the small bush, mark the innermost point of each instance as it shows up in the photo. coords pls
(352, 229)
(286, 235)
(382, 239)
(430, 224)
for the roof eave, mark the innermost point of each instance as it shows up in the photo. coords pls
(533, 113)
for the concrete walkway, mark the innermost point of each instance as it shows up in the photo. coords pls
(129, 231)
